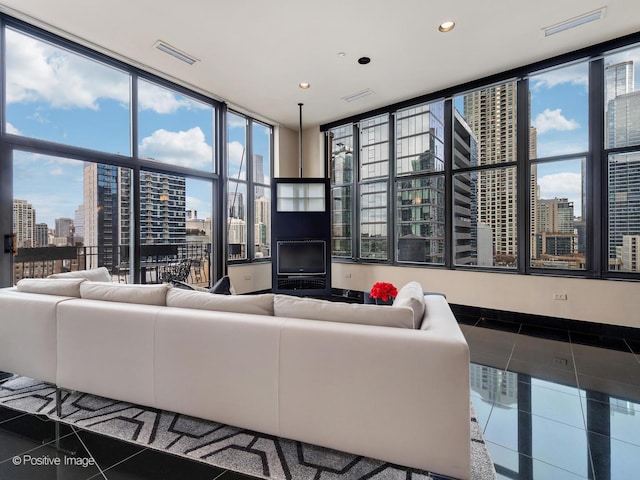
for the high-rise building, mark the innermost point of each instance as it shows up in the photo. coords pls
(419, 199)
(235, 205)
(64, 229)
(237, 240)
(107, 211)
(624, 199)
(262, 226)
(41, 235)
(101, 214)
(556, 235)
(465, 210)
(24, 220)
(78, 223)
(630, 253)
(491, 114)
(162, 208)
(555, 215)
(624, 120)
(534, 190)
(623, 129)
(618, 79)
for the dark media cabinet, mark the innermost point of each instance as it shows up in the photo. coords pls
(301, 236)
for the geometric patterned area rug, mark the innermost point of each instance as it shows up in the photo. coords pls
(227, 447)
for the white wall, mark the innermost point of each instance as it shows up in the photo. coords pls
(602, 301)
(251, 277)
(286, 153)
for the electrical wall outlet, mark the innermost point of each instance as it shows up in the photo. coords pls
(347, 275)
(560, 296)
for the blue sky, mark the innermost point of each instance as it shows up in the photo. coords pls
(62, 97)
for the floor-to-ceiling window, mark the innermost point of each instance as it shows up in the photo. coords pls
(558, 149)
(622, 139)
(489, 115)
(534, 173)
(342, 188)
(419, 184)
(248, 202)
(107, 161)
(373, 183)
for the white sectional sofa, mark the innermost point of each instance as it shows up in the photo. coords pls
(396, 394)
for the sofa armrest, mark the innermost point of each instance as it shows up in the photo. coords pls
(28, 333)
(399, 395)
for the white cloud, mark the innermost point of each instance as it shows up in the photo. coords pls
(574, 75)
(12, 129)
(56, 172)
(162, 100)
(39, 72)
(237, 157)
(235, 121)
(553, 120)
(185, 149)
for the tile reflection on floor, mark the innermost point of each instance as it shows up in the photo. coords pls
(556, 404)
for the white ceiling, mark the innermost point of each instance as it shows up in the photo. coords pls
(253, 53)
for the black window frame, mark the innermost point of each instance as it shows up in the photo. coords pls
(250, 185)
(11, 142)
(596, 186)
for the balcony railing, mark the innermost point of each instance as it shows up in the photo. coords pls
(187, 262)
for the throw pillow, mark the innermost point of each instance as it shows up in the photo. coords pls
(64, 287)
(222, 286)
(326, 310)
(412, 296)
(125, 293)
(261, 304)
(100, 274)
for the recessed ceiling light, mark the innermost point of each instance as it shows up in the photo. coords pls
(342, 54)
(447, 26)
(304, 85)
(174, 52)
(364, 60)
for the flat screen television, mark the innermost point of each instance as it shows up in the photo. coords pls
(301, 257)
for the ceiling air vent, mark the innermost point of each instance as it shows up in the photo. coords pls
(575, 22)
(174, 52)
(357, 96)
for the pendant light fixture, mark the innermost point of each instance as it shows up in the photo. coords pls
(300, 139)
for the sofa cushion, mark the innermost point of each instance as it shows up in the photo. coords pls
(125, 293)
(412, 296)
(63, 287)
(261, 304)
(100, 274)
(314, 309)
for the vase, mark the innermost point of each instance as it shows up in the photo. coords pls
(377, 301)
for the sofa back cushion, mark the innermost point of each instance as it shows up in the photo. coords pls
(261, 304)
(412, 296)
(100, 274)
(125, 293)
(314, 309)
(63, 287)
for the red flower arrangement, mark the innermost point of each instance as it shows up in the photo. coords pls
(383, 291)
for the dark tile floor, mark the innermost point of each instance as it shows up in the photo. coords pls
(553, 404)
